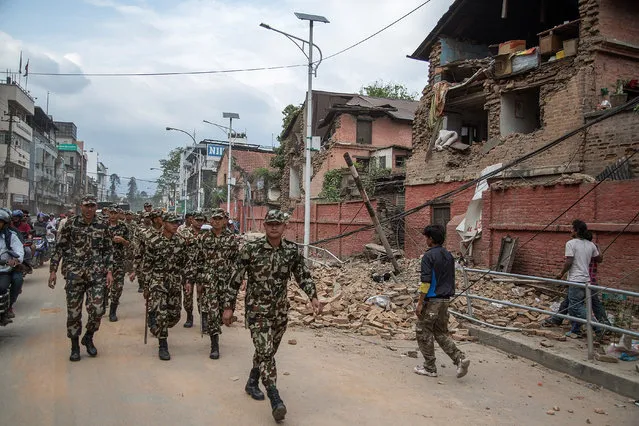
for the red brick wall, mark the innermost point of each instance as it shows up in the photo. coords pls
(385, 131)
(523, 211)
(415, 243)
(618, 19)
(335, 160)
(327, 220)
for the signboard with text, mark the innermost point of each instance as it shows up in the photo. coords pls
(67, 147)
(215, 150)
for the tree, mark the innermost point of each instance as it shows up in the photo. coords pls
(132, 193)
(144, 195)
(391, 90)
(289, 112)
(115, 182)
(167, 183)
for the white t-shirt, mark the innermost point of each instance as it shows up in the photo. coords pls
(582, 251)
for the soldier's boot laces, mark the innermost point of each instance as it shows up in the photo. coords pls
(189, 320)
(113, 312)
(87, 341)
(253, 385)
(277, 405)
(163, 351)
(215, 346)
(75, 349)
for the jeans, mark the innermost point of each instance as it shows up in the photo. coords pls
(576, 306)
(16, 287)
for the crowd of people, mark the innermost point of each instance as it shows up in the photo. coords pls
(204, 259)
(172, 261)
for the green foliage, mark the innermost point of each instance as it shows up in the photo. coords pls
(170, 173)
(370, 174)
(289, 112)
(332, 186)
(391, 90)
(278, 162)
(113, 189)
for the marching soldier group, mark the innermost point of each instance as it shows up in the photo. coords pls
(172, 262)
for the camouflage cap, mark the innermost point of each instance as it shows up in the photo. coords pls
(276, 216)
(171, 217)
(89, 199)
(128, 213)
(147, 204)
(199, 216)
(155, 213)
(218, 213)
(145, 215)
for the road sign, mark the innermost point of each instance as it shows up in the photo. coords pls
(215, 150)
(67, 147)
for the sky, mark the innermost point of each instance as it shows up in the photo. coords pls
(124, 118)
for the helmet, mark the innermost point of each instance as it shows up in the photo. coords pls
(5, 215)
(17, 213)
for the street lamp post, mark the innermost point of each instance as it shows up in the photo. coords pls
(230, 116)
(312, 69)
(182, 178)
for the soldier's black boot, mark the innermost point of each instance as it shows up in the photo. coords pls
(189, 320)
(87, 341)
(253, 385)
(163, 352)
(215, 346)
(113, 317)
(277, 405)
(205, 325)
(75, 349)
(140, 289)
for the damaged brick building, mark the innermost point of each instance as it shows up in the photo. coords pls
(506, 78)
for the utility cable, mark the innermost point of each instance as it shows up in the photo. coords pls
(232, 70)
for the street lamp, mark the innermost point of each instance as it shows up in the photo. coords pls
(312, 69)
(230, 116)
(182, 177)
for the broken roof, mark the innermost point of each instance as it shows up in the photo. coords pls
(249, 159)
(396, 109)
(482, 22)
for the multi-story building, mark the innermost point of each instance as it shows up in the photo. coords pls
(45, 172)
(97, 171)
(75, 162)
(16, 105)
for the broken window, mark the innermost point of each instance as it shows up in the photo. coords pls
(294, 183)
(520, 112)
(362, 163)
(441, 214)
(364, 130)
(400, 161)
(381, 162)
(465, 115)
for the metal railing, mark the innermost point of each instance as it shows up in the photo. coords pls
(588, 301)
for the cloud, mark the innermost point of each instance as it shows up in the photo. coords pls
(123, 118)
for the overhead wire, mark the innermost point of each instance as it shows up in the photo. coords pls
(231, 70)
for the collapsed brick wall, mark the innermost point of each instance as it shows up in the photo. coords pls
(517, 212)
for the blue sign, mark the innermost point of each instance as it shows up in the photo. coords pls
(215, 150)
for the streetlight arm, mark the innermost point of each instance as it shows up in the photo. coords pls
(304, 42)
(185, 132)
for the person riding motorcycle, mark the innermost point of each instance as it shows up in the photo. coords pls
(40, 227)
(20, 224)
(23, 230)
(11, 255)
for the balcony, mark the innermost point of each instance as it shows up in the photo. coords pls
(17, 97)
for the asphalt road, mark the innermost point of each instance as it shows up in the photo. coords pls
(327, 378)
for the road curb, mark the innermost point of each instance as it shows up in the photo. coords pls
(579, 369)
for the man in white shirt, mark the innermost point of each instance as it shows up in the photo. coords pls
(579, 252)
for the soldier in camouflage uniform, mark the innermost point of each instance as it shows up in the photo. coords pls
(86, 251)
(130, 249)
(148, 207)
(167, 261)
(121, 238)
(215, 256)
(152, 226)
(268, 263)
(190, 230)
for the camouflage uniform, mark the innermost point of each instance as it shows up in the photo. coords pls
(432, 325)
(166, 263)
(119, 257)
(130, 249)
(86, 252)
(268, 270)
(215, 257)
(190, 237)
(143, 234)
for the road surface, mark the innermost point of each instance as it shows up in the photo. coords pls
(327, 378)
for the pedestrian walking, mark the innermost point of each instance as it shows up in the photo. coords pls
(268, 263)
(579, 253)
(86, 252)
(437, 286)
(215, 255)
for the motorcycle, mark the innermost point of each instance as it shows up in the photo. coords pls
(40, 249)
(25, 266)
(5, 299)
